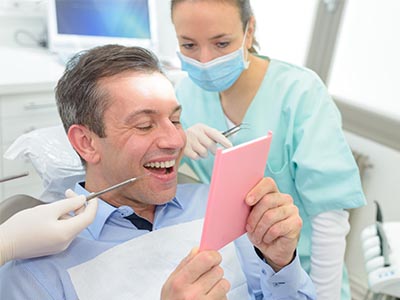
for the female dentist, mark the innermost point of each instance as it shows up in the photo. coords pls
(229, 83)
(45, 229)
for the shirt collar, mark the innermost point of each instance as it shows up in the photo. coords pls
(105, 210)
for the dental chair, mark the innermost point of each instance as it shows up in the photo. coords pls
(14, 204)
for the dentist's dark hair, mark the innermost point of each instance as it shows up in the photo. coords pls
(79, 94)
(245, 12)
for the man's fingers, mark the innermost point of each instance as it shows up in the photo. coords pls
(208, 280)
(266, 206)
(220, 290)
(200, 264)
(264, 186)
(269, 219)
(184, 262)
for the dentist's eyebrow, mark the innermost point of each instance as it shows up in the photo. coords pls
(218, 36)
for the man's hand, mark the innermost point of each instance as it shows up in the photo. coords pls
(274, 223)
(198, 276)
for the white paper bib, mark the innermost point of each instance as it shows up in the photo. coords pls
(137, 269)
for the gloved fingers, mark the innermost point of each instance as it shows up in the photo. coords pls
(79, 222)
(218, 137)
(201, 146)
(70, 193)
(65, 206)
(197, 146)
(188, 152)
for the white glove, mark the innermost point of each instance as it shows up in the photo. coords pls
(44, 229)
(201, 139)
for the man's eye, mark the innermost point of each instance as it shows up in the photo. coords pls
(144, 127)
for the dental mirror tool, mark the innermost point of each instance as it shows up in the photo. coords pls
(234, 129)
(116, 186)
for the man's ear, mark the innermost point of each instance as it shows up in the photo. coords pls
(82, 139)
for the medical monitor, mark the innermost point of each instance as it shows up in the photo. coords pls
(74, 25)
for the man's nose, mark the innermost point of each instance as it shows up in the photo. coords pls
(171, 137)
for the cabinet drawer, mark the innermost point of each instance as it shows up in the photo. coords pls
(11, 129)
(28, 105)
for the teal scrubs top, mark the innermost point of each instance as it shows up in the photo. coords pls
(309, 157)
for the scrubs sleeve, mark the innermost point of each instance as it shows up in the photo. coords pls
(326, 174)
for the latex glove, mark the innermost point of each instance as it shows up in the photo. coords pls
(44, 229)
(198, 276)
(201, 139)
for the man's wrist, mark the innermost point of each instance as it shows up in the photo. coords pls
(274, 266)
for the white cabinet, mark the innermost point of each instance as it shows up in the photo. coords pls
(27, 81)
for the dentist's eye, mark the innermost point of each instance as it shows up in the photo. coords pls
(223, 44)
(187, 46)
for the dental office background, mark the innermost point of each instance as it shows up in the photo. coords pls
(353, 45)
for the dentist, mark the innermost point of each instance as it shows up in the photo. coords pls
(229, 83)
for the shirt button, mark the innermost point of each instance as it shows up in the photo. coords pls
(264, 272)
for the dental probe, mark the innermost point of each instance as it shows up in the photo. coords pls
(13, 177)
(118, 185)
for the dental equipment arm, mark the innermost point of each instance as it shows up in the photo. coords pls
(201, 139)
(381, 248)
(44, 229)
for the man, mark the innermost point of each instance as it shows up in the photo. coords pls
(122, 118)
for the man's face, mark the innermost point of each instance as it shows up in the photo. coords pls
(143, 135)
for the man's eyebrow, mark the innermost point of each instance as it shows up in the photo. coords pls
(147, 111)
(177, 109)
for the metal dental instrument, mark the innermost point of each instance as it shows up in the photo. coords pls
(233, 129)
(7, 178)
(116, 186)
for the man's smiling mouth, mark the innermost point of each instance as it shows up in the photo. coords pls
(161, 167)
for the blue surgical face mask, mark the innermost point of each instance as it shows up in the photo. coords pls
(218, 74)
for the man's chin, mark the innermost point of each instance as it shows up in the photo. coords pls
(165, 195)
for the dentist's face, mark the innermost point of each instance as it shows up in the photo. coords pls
(143, 135)
(208, 29)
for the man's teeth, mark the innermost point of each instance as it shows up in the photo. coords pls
(161, 164)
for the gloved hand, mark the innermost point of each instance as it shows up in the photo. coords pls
(201, 139)
(44, 229)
